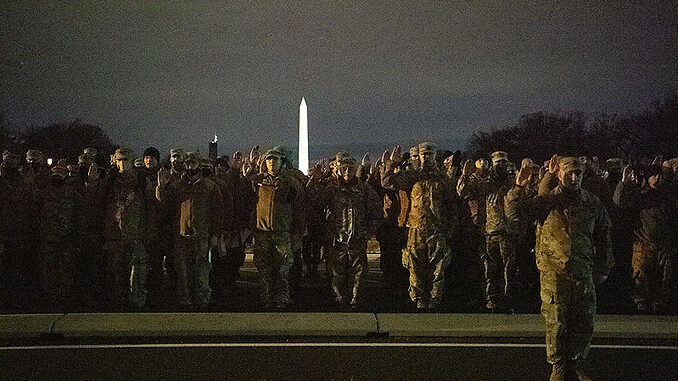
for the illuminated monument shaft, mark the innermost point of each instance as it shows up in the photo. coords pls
(303, 136)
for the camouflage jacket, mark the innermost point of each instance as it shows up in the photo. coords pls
(433, 202)
(279, 205)
(194, 205)
(59, 217)
(353, 210)
(573, 229)
(651, 213)
(125, 206)
(518, 219)
(468, 188)
(485, 193)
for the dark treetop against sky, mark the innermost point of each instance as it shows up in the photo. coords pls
(168, 73)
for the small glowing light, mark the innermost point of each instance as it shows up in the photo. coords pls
(49, 161)
(215, 139)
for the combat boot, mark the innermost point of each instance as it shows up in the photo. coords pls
(559, 371)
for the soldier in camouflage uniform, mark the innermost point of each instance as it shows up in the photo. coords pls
(58, 237)
(195, 209)
(353, 210)
(122, 194)
(573, 255)
(431, 220)
(499, 255)
(279, 220)
(648, 201)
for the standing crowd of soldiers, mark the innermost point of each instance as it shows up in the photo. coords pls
(112, 235)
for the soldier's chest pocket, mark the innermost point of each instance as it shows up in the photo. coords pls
(420, 192)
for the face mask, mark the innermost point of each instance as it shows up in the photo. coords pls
(193, 172)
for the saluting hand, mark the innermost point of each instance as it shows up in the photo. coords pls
(163, 177)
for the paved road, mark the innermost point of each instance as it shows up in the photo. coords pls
(323, 361)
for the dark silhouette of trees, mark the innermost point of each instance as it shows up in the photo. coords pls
(69, 139)
(631, 136)
(62, 140)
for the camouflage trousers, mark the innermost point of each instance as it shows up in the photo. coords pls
(192, 266)
(568, 306)
(57, 270)
(426, 256)
(652, 276)
(500, 270)
(273, 257)
(348, 266)
(127, 268)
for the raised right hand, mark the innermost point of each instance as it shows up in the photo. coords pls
(553, 164)
(163, 177)
(468, 168)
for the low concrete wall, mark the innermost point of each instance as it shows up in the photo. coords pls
(26, 325)
(318, 325)
(216, 324)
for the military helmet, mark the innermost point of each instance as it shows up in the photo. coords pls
(425, 147)
(277, 151)
(123, 153)
(85, 159)
(177, 152)
(344, 158)
(192, 156)
(34, 155)
(499, 157)
(91, 151)
(570, 163)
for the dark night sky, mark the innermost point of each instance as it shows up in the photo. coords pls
(174, 74)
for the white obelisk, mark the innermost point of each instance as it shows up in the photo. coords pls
(303, 136)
